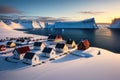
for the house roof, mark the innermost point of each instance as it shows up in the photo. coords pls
(51, 36)
(47, 50)
(22, 50)
(85, 42)
(69, 41)
(29, 55)
(37, 43)
(60, 45)
(1, 46)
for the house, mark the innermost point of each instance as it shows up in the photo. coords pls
(71, 43)
(20, 52)
(31, 58)
(55, 38)
(84, 44)
(2, 47)
(58, 38)
(61, 47)
(21, 41)
(39, 45)
(10, 44)
(49, 52)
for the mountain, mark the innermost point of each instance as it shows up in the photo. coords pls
(115, 23)
(35, 24)
(4, 25)
(87, 23)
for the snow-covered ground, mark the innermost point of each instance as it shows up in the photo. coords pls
(78, 65)
(70, 67)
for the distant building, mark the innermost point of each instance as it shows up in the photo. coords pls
(49, 52)
(2, 47)
(39, 45)
(61, 47)
(10, 44)
(55, 38)
(20, 52)
(31, 58)
(83, 45)
(71, 43)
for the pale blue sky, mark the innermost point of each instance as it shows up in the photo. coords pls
(102, 10)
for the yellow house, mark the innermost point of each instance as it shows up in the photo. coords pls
(10, 44)
(71, 43)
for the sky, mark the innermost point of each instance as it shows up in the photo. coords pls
(104, 11)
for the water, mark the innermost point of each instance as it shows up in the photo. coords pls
(102, 38)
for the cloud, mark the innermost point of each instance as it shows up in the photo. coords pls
(8, 10)
(91, 12)
(52, 19)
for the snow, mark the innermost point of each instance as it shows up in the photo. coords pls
(14, 25)
(115, 23)
(35, 24)
(99, 67)
(77, 65)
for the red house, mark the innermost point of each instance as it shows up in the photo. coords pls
(2, 47)
(84, 45)
(20, 52)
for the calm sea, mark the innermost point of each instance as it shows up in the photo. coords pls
(102, 38)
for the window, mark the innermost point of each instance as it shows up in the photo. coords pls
(35, 59)
(52, 52)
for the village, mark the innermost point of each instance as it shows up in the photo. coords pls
(37, 51)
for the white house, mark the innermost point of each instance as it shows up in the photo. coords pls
(49, 52)
(39, 45)
(71, 43)
(20, 52)
(31, 58)
(61, 47)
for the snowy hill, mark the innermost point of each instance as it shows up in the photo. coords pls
(21, 24)
(4, 25)
(6, 31)
(70, 67)
(88, 23)
(115, 23)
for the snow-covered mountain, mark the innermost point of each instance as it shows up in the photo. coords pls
(115, 23)
(35, 24)
(42, 24)
(21, 24)
(88, 23)
(4, 25)
(38, 24)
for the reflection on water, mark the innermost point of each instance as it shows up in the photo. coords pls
(103, 38)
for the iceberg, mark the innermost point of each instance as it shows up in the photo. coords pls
(88, 23)
(115, 23)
